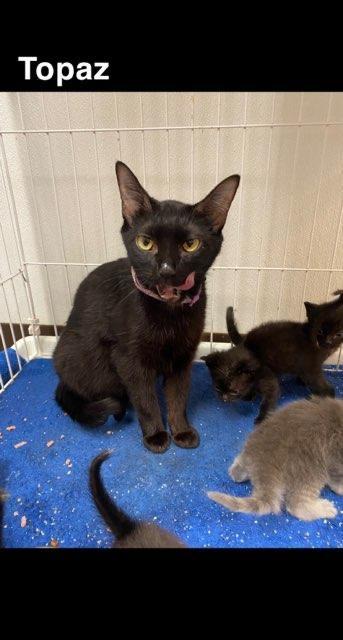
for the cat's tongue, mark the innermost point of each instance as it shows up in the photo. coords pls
(168, 292)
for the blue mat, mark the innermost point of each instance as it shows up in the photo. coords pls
(48, 485)
(4, 370)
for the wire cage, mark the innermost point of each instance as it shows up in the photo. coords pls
(60, 213)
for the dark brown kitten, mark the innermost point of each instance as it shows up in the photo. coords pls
(237, 374)
(140, 317)
(129, 533)
(298, 348)
(289, 458)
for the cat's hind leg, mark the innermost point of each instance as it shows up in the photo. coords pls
(238, 470)
(318, 384)
(308, 506)
(262, 501)
(92, 413)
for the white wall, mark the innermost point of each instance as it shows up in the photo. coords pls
(287, 213)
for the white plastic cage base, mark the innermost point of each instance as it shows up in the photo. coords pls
(43, 347)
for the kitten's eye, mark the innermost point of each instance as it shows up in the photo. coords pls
(320, 332)
(191, 245)
(144, 243)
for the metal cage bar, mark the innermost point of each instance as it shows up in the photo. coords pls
(248, 125)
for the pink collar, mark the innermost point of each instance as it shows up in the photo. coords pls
(188, 300)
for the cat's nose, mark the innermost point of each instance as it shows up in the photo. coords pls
(167, 269)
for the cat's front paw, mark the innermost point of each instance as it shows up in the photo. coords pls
(158, 442)
(188, 439)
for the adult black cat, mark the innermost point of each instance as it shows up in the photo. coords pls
(139, 317)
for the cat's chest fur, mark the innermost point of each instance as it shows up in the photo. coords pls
(168, 343)
(131, 324)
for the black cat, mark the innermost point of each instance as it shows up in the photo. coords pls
(143, 316)
(129, 533)
(298, 348)
(238, 375)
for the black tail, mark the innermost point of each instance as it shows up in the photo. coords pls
(92, 413)
(232, 330)
(120, 524)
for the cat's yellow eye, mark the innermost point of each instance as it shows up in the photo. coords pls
(191, 245)
(144, 243)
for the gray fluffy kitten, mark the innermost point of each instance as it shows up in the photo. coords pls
(289, 458)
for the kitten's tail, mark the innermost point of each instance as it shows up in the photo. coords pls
(234, 335)
(92, 413)
(260, 506)
(120, 524)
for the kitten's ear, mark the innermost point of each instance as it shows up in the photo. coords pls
(210, 359)
(311, 309)
(339, 293)
(134, 198)
(217, 203)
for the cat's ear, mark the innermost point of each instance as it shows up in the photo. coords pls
(311, 309)
(217, 203)
(210, 359)
(133, 196)
(339, 293)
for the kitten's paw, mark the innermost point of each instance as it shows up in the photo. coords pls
(187, 439)
(314, 509)
(158, 442)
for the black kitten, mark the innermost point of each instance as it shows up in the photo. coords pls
(295, 347)
(238, 375)
(140, 317)
(128, 532)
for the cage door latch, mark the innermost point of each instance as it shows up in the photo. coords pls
(34, 328)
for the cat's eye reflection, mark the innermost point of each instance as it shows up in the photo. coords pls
(144, 243)
(191, 245)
